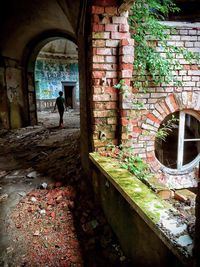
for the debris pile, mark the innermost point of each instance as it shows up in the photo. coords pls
(48, 211)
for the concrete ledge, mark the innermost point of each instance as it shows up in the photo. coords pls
(150, 230)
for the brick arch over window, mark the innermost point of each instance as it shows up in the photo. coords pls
(185, 101)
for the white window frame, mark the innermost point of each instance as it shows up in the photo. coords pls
(180, 152)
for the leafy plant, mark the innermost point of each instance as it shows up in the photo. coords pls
(166, 128)
(153, 54)
(128, 160)
(136, 104)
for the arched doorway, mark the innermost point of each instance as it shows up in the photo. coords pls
(40, 83)
(56, 69)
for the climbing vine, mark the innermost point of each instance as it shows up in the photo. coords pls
(154, 56)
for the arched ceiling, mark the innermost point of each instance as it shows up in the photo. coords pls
(22, 20)
(60, 48)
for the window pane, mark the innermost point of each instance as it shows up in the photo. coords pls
(166, 150)
(192, 131)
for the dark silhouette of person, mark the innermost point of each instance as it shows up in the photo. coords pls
(60, 105)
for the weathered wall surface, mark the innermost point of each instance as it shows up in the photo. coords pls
(24, 26)
(49, 75)
(140, 243)
(160, 101)
(115, 120)
(112, 58)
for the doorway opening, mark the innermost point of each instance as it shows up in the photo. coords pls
(69, 95)
(56, 69)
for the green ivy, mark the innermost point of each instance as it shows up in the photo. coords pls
(154, 57)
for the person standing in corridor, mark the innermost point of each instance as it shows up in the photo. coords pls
(60, 103)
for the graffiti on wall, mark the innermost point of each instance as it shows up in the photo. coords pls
(49, 75)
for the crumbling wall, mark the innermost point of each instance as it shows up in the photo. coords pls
(160, 101)
(114, 118)
(112, 56)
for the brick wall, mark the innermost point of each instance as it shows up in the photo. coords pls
(159, 102)
(112, 58)
(114, 119)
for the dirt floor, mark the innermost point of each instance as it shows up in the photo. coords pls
(48, 213)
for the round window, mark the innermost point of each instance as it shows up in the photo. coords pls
(177, 143)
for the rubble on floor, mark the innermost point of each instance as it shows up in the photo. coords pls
(48, 213)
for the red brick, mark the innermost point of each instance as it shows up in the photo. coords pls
(124, 121)
(186, 67)
(98, 43)
(101, 35)
(110, 90)
(104, 66)
(103, 113)
(127, 81)
(102, 97)
(98, 106)
(98, 74)
(123, 28)
(111, 28)
(98, 28)
(128, 41)
(126, 50)
(127, 59)
(97, 89)
(110, 59)
(113, 97)
(112, 120)
(111, 105)
(111, 74)
(137, 130)
(98, 59)
(153, 118)
(119, 20)
(95, 18)
(125, 74)
(99, 121)
(97, 10)
(114, 81)
(173, 102)
(96, 82)
(126, 66)
(164, 107)
(112, 43)
(119, 35)
(114, 51)
(111, 10)
(104, 51)
(194, 67)
(94, 50)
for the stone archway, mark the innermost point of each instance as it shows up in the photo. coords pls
(30, 56)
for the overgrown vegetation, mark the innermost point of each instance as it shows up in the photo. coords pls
(128, 159)
(154, 56)
(166, 128)
(156, 63)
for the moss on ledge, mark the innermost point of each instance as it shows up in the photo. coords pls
(159, 215)
(135, 190)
